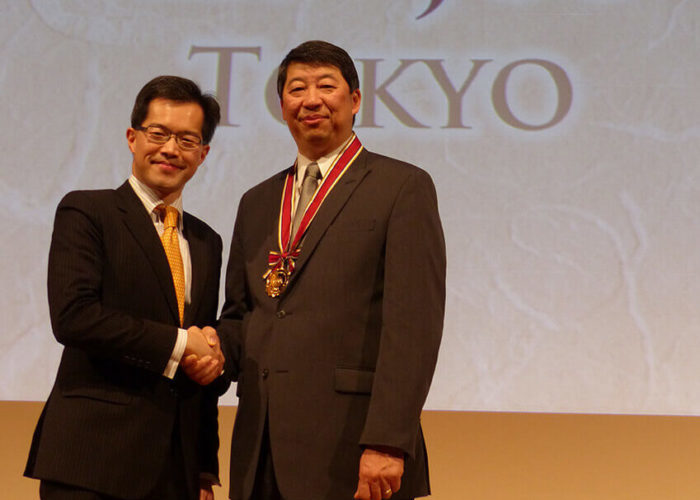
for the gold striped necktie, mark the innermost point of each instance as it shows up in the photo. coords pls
(172, 251)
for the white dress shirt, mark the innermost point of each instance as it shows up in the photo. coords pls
(150, 201)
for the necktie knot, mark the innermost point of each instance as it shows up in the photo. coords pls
(308, 186)
(169, 215)
(312, 172)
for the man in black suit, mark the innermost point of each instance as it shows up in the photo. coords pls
(123, 421)
(335, 294)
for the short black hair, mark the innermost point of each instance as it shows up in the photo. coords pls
(318, 52)
(175, 88)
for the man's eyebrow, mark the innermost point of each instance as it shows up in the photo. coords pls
(155, 124)
(319, 77)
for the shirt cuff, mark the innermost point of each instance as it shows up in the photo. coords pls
(176, 355)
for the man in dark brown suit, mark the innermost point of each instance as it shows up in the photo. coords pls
(122, 420)
(332, 329)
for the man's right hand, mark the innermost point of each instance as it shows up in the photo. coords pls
(203, 360)
(381, 469)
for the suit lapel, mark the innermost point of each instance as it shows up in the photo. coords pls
(140, 225)
(330, 208)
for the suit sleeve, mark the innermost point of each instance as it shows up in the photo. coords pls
(412, 316)
(236, 303)
(78, 259)
(208, 441)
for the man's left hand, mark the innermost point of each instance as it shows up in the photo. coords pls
(380, 473)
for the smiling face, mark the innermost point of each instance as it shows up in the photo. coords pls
(318, 107)
(166, 168)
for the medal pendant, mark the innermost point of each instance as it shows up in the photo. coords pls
(276, 281)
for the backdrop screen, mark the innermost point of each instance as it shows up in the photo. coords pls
(563, 137)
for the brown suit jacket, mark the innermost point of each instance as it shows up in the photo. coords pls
(108, 422)
(345, 356)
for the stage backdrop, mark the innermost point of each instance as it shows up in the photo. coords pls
(562, 135)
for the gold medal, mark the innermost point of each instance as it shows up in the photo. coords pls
(276, 281)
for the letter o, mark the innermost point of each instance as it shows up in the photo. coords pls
(564, 92)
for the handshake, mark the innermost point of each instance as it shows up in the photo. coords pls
(202, 360)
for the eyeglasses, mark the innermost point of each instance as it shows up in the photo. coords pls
(160, 135)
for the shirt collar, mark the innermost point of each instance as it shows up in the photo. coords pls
(151, 200)
(324, 164)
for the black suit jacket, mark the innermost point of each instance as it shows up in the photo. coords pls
(345, 356)
(108, 422)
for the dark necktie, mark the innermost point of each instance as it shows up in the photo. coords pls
(308, 188)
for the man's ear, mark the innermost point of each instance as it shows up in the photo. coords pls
(356, 100)
(131, 138)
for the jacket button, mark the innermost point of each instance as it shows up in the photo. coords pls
(265, 373)
(281, 314)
